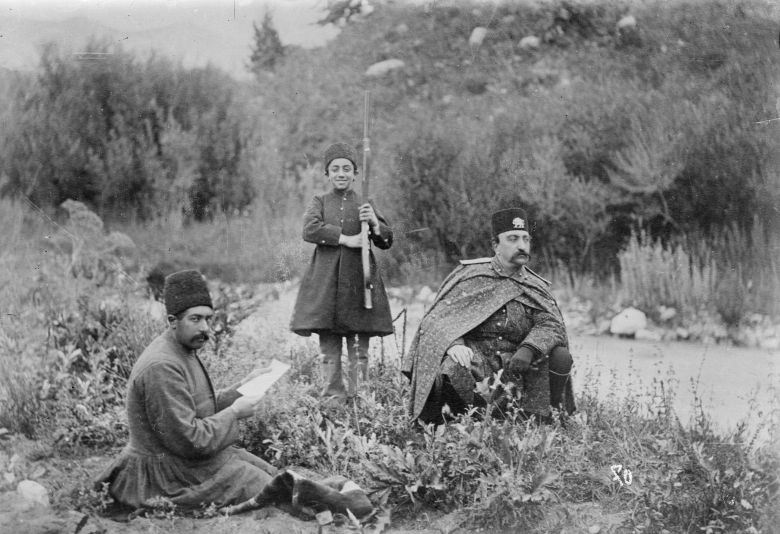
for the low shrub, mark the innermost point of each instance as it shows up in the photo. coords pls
(654, 274)
(631, 456)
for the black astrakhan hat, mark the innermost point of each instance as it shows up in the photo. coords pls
(340, 150)
(184, 290)
(509, 219)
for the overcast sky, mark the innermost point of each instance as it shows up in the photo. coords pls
(198, 30)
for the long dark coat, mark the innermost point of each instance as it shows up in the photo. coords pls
(181, 436)
(331, 295)
(468, 296)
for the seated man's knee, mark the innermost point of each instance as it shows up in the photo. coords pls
(560, 360)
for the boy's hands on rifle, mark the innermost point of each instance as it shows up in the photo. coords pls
(367, 214)
(351, 241)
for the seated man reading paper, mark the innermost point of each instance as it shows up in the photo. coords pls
(182, 431)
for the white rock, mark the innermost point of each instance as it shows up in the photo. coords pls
(34, 492)
(665, 313)
(604, 326)
(627, 23)
(772, 343)
(425, 294)
(627, 322)
(477, 36)
(648, 335)
(682, 333)
(529, 42)
(383, 67)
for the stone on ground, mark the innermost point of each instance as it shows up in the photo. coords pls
(627, 322)
(33, 492)
(383, 67)
(530, 42)
(477, 35)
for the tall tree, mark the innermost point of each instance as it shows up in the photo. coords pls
(268, 49)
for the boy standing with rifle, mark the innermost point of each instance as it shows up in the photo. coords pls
(339, 298)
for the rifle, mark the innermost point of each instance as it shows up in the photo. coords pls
(365, 245)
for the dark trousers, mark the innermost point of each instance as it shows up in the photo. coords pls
(559, 361)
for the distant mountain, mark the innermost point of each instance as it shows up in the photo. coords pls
(22, 39)
(195, 46)
(195, 36)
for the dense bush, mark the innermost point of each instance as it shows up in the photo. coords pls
(132, 138)
(599, 142)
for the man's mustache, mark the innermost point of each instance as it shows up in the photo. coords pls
(521, 254)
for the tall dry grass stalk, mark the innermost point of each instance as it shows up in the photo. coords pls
(251, 247)
(733, 272)
(12, 223)
(750, 274)
(654, 274)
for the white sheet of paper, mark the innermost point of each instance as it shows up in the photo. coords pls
(260, 384)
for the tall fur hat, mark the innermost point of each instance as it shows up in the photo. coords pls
(184, 290)
(510, 219)
(340, 150)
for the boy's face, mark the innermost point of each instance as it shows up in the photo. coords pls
(341, 173)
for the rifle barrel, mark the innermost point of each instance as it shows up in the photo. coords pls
(365, 245)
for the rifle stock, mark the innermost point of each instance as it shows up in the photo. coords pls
(365, 244)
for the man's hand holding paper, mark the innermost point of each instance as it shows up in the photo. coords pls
(260, 380)
(245, 406)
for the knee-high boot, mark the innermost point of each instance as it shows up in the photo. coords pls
(557, 389)
(331, 367)
(357, 353)
(561, 363)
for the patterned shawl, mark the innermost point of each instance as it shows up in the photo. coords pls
(467, 297)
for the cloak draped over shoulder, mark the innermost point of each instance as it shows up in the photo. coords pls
(466, 298)
(181, 436)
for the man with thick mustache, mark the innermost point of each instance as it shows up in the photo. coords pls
(490, 315)
(181, 430)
